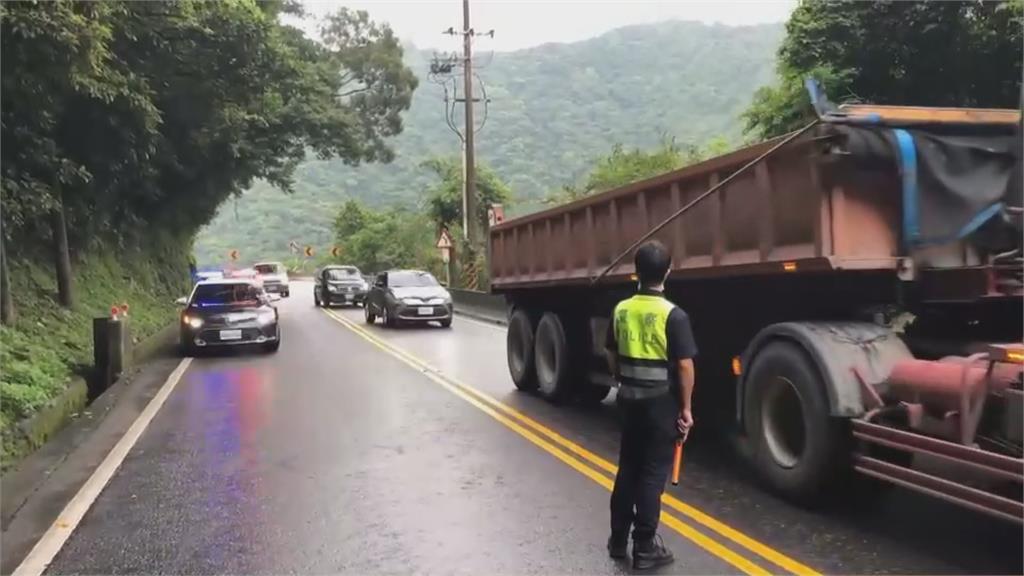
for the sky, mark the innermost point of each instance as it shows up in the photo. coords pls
(521, 24)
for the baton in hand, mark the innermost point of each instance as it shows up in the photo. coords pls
(677, 462)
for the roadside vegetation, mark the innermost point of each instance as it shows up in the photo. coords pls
(49, 344)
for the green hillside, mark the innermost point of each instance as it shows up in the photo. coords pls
(553, 109)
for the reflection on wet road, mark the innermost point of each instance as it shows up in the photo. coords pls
(354, 449)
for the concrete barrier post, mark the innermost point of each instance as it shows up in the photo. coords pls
(111, 352)
(100, 356)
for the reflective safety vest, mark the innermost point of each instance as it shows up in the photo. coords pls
(642, 341)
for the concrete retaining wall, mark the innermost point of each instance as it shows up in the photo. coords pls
(482, 305)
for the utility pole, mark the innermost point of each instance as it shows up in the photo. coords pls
(442, 73)
(471, 225)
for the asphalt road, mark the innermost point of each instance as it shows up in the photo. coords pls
(361, 449)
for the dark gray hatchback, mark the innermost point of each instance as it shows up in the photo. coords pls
(229, 312)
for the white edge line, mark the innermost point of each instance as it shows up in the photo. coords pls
(53, 540)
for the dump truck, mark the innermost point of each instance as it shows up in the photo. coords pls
(855, 289)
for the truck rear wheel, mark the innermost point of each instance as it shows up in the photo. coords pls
(551, 355)
(797, 447)
(519, 348)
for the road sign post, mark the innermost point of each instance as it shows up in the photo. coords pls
(444, 244)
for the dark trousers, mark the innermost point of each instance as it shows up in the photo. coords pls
(645, 458)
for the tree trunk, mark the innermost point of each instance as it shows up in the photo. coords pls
(62, 258)
(6, 301)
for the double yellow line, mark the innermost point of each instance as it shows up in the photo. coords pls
(597, 468)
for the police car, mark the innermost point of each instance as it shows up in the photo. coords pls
(228, 312)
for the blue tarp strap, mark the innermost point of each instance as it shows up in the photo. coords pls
(908, 174)
(980, 218)
(911, 213)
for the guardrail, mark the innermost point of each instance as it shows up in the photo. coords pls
(483, 305)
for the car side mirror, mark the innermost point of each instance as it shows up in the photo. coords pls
(183, 301)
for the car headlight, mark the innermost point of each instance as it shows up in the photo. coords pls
(192, 321)
(264, 318)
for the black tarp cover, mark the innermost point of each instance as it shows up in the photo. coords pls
(964, 178)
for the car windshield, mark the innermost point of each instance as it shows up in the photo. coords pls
(344, 274)
(236, 294)
(411, 279)
(267, 268)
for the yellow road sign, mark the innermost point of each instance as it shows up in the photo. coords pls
(336, 251)
(308, 251)
(233, 254)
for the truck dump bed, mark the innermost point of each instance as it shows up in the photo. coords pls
(810, 206)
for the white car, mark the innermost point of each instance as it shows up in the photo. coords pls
(273, 276)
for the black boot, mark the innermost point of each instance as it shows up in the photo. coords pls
(651, 554)
(617, 546)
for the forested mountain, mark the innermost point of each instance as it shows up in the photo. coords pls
(553, 109)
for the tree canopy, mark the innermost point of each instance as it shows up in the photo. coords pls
(927, 53)
(379, 240)
(444, 198)
(621, 166)
(143, 115)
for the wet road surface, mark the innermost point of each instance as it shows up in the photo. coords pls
(362, 449)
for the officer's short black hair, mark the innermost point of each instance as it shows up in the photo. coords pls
(652, 261)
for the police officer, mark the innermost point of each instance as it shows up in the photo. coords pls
(650, 349)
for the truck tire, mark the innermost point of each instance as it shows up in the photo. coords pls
(519, 349)
(796, 446)
(551, 357)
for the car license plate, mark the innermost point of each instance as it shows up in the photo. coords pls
(348, 296)
(230, 334)
(425, 310)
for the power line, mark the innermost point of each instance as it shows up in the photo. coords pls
(442, 72)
